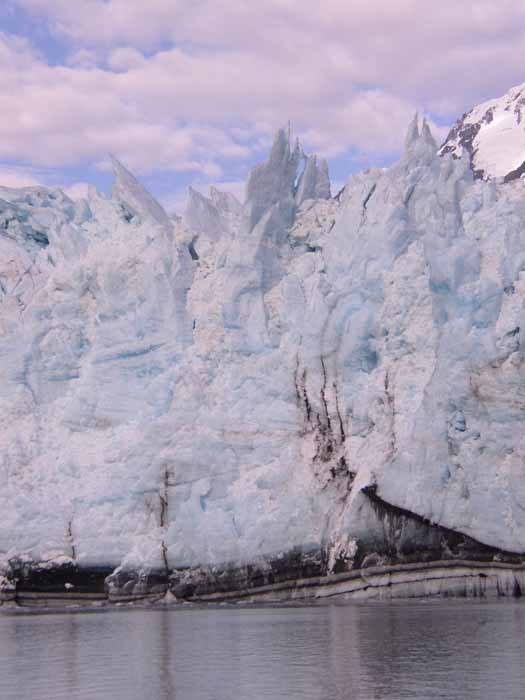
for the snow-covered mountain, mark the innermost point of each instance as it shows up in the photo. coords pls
(297, 386)
(492, 135)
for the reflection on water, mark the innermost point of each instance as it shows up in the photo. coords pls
(452, 650)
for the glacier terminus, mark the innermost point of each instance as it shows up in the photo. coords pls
(301, 395)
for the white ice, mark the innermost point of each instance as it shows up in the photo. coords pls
(207, 389)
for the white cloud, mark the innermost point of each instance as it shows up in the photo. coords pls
(348, 74)
(124, 59)
(78, 190)
(18, 177)
(83, 58)
(178, 110)
(58, 115)
(135, 21)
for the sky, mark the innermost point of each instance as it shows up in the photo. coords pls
(189, 92)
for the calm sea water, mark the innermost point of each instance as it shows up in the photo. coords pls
(425, 650)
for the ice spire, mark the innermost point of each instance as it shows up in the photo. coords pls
(426, 135)
(129, 190)
(323, 189)
(225, 201)
(314, 182)
(412, 134)
(273, 181)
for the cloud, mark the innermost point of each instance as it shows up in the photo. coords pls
(63, 115)
(11, 176)
(172, 85)
(14, 176)
(124, 59)
(104, 22)
(79, 190)
(179, 110)
(409, 47)
(83, 58)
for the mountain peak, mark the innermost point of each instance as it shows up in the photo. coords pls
(493, 136)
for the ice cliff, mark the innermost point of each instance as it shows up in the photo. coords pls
(300, 374)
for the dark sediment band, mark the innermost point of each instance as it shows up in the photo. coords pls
(455, 578)
(411, 557)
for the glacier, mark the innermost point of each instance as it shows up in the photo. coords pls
(299, 385)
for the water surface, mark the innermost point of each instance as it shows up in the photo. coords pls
(423, 650)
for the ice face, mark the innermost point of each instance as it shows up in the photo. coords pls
(212, 217)
(314, 182)
(159, 406)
